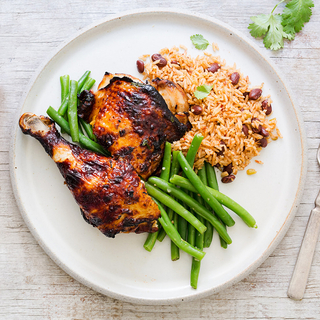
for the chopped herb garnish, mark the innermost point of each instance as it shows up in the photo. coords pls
(145, 143)
(202, 91)
(199, 41)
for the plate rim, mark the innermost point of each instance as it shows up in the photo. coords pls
(278, 237)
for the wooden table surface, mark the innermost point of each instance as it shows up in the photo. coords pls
(32, 286)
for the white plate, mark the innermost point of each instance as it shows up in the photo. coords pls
(120, 267)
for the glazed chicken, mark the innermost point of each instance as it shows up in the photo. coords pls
(132, 120)
(109, 192)
(174, 97)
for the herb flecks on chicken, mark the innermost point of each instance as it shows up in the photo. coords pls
(133, 121)
(109, 192)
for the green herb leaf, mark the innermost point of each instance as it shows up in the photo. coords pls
(199, 41)
(296, 14)
(260, 25)
(202, 91)
(270, 25)
(275, 27)
(145, 143)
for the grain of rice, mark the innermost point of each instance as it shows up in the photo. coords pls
(225, 109)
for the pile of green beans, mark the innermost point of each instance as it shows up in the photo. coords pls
(196, 200)
(67, 115)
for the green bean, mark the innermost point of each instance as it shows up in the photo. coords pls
(83, 80)
(213, 183)
(175, 206)
(64, 106)
(88, 129)
(166, 162)
(65, 86)
(222, 198)
(174, 169)
(211, 176)
(196, 206)
(73, 112)
(183, 225)
(64, 82)
(79, 126)
(201, 188)
(162, 233)
(181, 244)
(88, 84)
(208, 235)
(199, 243)
(175, 166)
(191, 154)
(175, 237)
(150, 241)
(195, 267)
(84, 141)
(175, 253)
(194, 147)
(192, 234)
(223, 244)
(165, 173)
(194, 275)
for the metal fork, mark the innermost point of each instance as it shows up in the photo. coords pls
(300, 274)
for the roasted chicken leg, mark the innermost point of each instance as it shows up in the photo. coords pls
(109, 192)
(132, 120)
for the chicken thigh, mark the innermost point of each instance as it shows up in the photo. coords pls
(132, 120)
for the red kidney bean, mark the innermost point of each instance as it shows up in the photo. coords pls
(264, 132)
(269, 110)
(245, 94)
(235, 77)
(140, 66)
(255, 94)
(228, 168)
(228, 178)
(255, 129)
(265, 106)
(263, 142)
(221, 152)
(157, 56)
(174, 62)
(214, 67)
(196, 109)
(245, 129)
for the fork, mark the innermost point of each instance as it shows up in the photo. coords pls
(301, 271)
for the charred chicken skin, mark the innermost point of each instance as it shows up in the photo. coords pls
(109, 192)
(132, 120)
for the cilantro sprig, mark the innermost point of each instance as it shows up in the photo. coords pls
(276, 27)
(202, 91)
(199, 41)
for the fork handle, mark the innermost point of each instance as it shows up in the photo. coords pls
(300, 274)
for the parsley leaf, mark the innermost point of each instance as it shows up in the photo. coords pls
(202, 91)
(295, 14)
(275, 27)
(199, 41)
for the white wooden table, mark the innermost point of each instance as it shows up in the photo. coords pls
(31, 285)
